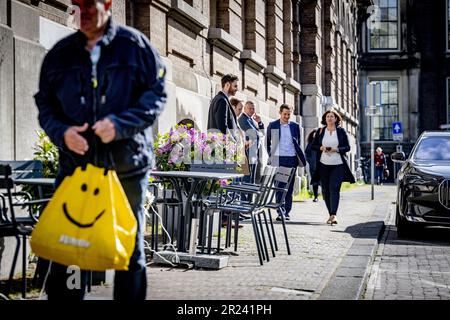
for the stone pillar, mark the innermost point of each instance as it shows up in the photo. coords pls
(118, 11)
(296, 31)
(255, 24)
(413, 104)
(329, 56)
(311, 67)
(291, 86)
(275, 33)
(6, 93)
(140, 11)
(28, 55)
(3, 12)
(274, 48)
(338, 46)
(344, 103)
(230, 17)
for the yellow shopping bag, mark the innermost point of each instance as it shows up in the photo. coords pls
(88, 223)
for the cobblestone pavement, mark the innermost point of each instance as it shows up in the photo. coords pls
(413, 268)
(317, 250)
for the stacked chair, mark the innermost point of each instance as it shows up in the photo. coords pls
(228, 200)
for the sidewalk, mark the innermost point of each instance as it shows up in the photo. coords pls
(326, 262)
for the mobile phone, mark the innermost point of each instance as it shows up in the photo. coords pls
(328, 148)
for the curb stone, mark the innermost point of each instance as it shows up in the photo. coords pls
(349, 279)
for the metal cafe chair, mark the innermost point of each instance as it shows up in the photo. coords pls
(227, 200)
(280, 183)
(282, 179)
(12, 225)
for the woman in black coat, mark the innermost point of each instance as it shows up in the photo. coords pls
(311, 157)
(331, 144)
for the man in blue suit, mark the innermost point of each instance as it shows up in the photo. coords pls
(251, 124)
(283, 146)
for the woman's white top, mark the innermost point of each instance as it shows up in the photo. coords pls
(330, 140)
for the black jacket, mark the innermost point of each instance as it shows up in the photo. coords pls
(343, 147)
(219, 110)
(130, 91)
(273, 141)
(311, 158)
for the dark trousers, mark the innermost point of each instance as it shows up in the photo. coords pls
(289, 162)
(251, 178)
(331, 178)
(379, 174)
(315, 188)
(128, 285)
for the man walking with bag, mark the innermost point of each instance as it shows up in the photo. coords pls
(104, 82)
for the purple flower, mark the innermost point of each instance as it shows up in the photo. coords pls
(207, 149)
(173, 159)
(223, 182)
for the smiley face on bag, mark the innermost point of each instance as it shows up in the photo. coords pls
(85, 201)
(86, 191)
(88, 222)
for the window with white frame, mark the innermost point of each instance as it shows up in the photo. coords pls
(386, 37)
(389, 113)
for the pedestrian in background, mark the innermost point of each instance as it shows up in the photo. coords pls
(331, 144)
(283, 147)
(222, 116)
(380, 165)
(103, 83)
(237, 106)
(250, 122)
(311, 157)
(242, 145)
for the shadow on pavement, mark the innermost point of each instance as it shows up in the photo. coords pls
(302, 223)
(366, 230)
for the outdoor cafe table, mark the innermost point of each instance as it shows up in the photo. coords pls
(39, 182)
(45, 182)
(194, 184)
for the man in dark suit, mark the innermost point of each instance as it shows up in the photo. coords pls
(221, 115)
(283, 146)
(251, 124)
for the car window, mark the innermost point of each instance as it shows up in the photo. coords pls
(433, 148)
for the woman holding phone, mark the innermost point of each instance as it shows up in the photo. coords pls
(331, 144)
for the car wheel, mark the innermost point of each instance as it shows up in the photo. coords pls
(404, 227)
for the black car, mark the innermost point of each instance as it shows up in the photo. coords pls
(423, 189)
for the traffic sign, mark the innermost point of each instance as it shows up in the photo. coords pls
(397, 131)
(397, 128)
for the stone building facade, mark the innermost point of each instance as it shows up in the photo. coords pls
(302, 53)
(299, 52)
